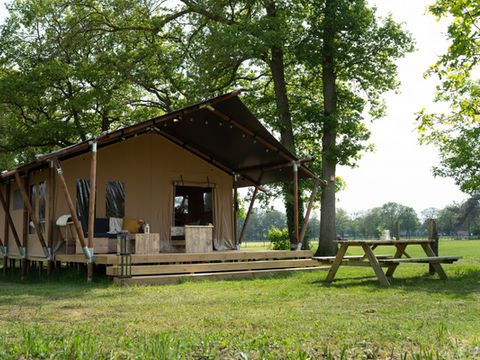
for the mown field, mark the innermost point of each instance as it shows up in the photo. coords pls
(294, 317)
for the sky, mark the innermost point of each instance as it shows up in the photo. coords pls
(399, 169)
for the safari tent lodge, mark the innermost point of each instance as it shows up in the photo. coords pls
(170, 182)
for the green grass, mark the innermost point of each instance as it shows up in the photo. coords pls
(293, 317)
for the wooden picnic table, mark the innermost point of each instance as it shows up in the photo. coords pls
(390, 262)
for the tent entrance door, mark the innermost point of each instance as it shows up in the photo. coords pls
(193, 205)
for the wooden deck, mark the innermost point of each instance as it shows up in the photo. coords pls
(177, 267)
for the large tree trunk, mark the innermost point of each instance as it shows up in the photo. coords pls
(327, 246)
(277, 67)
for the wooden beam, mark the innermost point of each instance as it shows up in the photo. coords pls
(375, 265)
(51, 213)
(24, 265)
(91, 207)
(310, 173)
(247, 217)
(235, 209)
(296, 239)
(309, 209)
(73, 213)
(432, 236)
(6, 229)
(436, 266)
(8, 216)
(31, 212)
(337, 262)
(274, 166)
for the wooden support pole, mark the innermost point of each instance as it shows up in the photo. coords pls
(31, 212)
(3, 251)
(51, 215)
(296, 239)
(309, 209)
(5, 263)
(247, 217)
(235, 209)
(71, 207)
(25, 265)
(6, 233)
(91, 208)
(10, 222)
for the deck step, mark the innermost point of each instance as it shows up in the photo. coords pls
(227, 275)
(209, 267)
(214, 256)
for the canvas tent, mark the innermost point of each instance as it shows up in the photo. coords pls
(141, 171)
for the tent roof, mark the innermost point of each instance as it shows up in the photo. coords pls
(221, 130)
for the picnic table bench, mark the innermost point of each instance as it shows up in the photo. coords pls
(388, 261)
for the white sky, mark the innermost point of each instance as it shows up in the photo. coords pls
(400, 169)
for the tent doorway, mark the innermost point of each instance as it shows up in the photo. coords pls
(193, 205)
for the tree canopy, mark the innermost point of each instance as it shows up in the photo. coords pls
(312, 71)
(456, 132)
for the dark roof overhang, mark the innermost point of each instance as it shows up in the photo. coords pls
(221, 131)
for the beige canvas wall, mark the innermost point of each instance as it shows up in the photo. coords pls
(34, 248)
(149, 165)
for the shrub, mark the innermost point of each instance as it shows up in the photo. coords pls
(279, 238)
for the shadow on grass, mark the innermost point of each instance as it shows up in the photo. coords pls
(461, 282)
(61, 284)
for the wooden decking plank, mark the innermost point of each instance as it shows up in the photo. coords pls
(80, 258)
(214, 256)
(175, 279)
(220, 256)
(213, 267)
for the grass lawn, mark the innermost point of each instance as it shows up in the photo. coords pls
(297, 316)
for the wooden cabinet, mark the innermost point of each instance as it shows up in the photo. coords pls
(193, 238)
(147, 243)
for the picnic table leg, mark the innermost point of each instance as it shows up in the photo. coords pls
(337, 262)
(437, 266)
(398, 254)
(375, 265)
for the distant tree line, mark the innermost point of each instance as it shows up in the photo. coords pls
(458, 220)
(262, 220)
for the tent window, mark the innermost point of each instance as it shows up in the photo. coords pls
(33, 200)
(193, 206)
(83, 199)
(42, 204)
(115, 206)
(17, 200)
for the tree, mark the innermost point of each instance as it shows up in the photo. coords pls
(469, 216)
(429, 213)
(115, 58)
(456, 133)
(448, 219)
(343, 222)
(65, 75)
(284, 45)
(355, 53)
